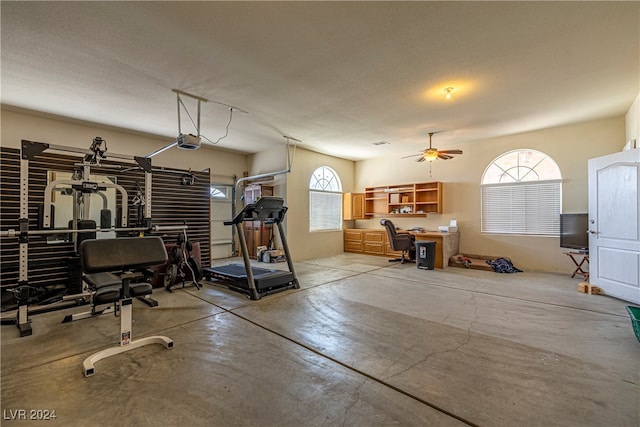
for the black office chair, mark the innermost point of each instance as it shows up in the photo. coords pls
(400, 242)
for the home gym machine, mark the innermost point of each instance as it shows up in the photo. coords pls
(81, 187)
(254, 281)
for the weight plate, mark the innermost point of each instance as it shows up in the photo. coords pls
(170, 275)
(195, 266)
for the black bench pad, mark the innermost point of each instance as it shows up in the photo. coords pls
(102, 256)
(122, 253)
(140, 289)
(102, 280)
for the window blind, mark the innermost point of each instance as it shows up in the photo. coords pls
(522, 208)
(325, 211)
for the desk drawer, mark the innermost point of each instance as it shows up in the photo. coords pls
(374, 236)
(352, 246)
(353, 235)
(374, 248)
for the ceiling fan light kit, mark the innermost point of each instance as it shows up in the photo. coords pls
(430, 154)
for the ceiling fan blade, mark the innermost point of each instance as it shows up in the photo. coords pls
(451, 151)
(444, 156)
(421, 159)
(413, 155)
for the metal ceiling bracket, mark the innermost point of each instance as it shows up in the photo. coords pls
(179, 102)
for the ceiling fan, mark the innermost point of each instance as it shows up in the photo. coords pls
(430, 154)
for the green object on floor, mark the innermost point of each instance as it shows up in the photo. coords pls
(634, 313)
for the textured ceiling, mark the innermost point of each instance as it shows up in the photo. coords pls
(339, 76)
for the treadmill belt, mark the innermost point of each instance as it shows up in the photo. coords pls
(264, 279)
(237, 271)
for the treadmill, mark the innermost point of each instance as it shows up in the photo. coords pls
(255, 281)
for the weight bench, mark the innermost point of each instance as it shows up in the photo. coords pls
(99, 260)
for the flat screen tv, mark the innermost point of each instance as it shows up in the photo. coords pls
(574, 229)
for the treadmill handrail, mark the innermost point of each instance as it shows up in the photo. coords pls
(268, 209)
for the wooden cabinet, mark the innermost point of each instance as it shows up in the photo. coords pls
(362, 240)
(353, 240)
(374, 242)
(353, 206)
(404, 200)
(256, 233)
(253, 192)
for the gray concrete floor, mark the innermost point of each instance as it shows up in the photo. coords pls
(364, 342)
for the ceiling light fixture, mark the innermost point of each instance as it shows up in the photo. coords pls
(448, 91)
(431, 154)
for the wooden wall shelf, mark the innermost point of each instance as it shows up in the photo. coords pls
(406, 200)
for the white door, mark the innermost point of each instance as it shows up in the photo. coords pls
(614, 224)
(221, 210)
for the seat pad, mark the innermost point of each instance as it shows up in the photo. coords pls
(140, 289)
(101, 280)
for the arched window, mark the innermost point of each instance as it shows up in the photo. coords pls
(325, 200)
(521, 194)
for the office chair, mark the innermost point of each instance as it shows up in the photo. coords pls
(400, 242)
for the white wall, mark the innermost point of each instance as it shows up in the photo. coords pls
(269, 162)
(632, 120)
(303, 243)
(570, 146)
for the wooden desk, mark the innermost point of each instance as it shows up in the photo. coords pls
(375, 242)
(579, 270)
(447, 245)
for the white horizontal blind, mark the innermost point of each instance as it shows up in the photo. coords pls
(531, 207)
(325, 211)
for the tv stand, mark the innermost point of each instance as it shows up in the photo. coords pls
(579, 264)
